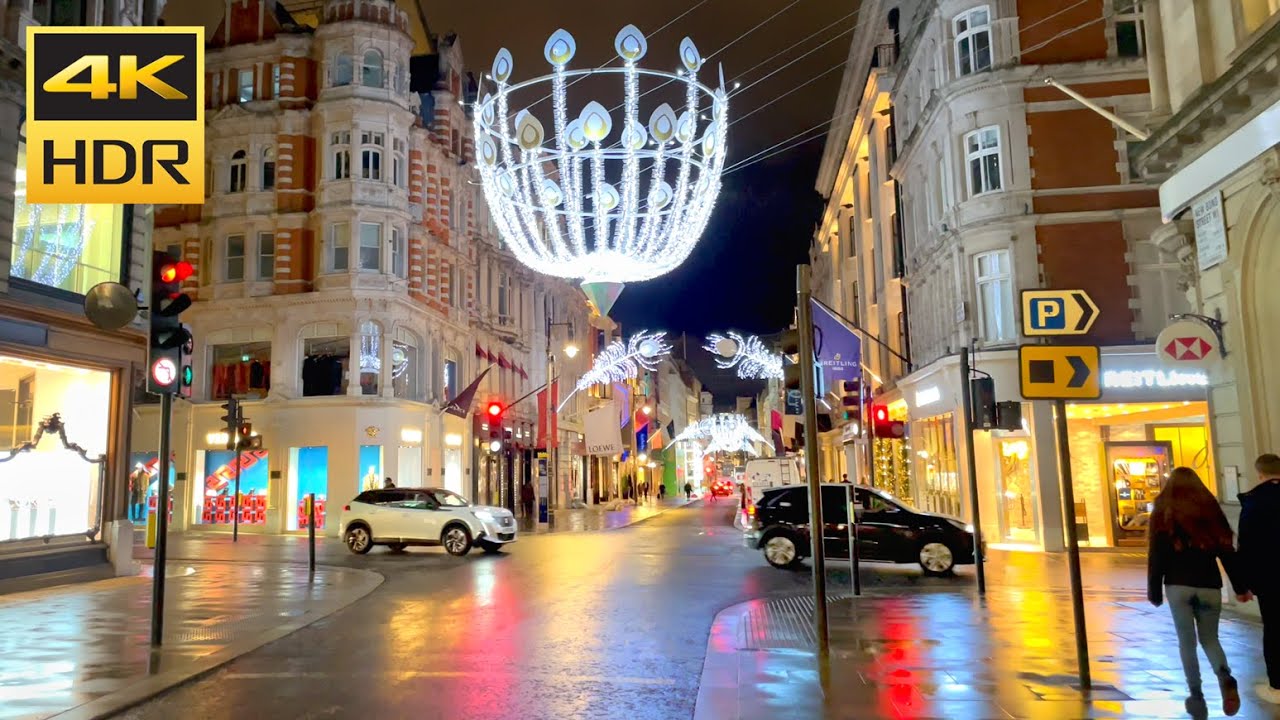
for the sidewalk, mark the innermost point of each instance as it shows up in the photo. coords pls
(600, 517)
(82, 651)
(942, 653)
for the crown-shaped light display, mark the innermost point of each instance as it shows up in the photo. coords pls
(590, 196)
(722, 432)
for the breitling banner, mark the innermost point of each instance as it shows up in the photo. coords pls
(603, 435)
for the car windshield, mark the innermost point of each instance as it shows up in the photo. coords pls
(881, 500)
(447, 498)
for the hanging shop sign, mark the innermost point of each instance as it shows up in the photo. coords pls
(1188, 345)
(1211, 231)
(1060, 372)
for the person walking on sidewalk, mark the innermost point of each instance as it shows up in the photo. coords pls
(1259, 543)
(1188, 534)
(688, 491)
(526, 498)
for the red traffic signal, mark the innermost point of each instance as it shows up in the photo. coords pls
(880, 413)
(494, 410)
(176, 272)
(883, 427)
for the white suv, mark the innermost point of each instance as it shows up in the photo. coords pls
(399, 517)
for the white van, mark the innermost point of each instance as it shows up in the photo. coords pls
(764, 473)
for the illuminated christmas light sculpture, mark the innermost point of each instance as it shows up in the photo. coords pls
(597, 200)
(722, 432)
(623, 361)
(753, 360)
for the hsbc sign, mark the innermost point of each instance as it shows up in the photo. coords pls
(1188, 345)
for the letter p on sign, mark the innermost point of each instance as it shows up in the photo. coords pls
(1049, 313)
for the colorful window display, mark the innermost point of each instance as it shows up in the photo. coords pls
(215, 501)
(370, 468)
(934, 443)
(144, 484)
(308, 473)
(1017, 498)
(48, 489)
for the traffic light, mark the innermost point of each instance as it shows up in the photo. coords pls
(247, 440)
(982, 391)
(851, 400)
(789, 344)
(883, 427)
(1009, 415)
(493, 411)
(168, 360)
(231, 419)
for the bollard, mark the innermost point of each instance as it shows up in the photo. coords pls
(311, 533)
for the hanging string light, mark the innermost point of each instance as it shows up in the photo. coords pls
(722, 432)
(623, 361)
(607, 204)
(56, 235)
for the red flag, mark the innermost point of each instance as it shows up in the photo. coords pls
(548, 425)
(555, 416)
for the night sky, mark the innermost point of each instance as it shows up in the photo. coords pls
(742, 273)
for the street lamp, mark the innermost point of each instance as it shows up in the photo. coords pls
(571, 350)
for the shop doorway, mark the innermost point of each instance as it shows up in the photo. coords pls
(410, 466)
(1017, 492)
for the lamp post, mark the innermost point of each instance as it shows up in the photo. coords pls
(553, 444)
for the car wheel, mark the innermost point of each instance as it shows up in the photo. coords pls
(456, 540)
(936, 558)
(397, 547)
(781, 551)
(358, 539)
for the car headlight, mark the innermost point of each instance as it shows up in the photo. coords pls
(484, 515)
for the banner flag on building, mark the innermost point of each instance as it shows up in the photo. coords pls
(602, 430)
(548, 430)
(775, 426)
(837, 349)
(461, 405)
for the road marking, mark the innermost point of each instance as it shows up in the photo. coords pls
(418, 674)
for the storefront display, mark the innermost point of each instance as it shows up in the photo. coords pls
(893, 466)
(51, 486)
(934, 443)
(1138, 473)
(308, 473)
(215, 498)
(1016, 496)
(370, 468)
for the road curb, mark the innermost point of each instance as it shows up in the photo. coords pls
(149, 687)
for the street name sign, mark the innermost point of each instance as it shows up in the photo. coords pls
(1060, 372)
(1057, 312)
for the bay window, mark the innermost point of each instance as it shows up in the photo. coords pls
(370, 246)
(993, 280)
(973, 40)
(982, 153)
(339, 246)
(233, 260)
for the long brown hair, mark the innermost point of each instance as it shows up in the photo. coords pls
(1189, 516)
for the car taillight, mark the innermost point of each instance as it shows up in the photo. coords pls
(751, 510)
(346, 508)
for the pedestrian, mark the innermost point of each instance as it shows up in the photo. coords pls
(845, 478)
(662, 491)
(526, 498)
(688, 491)
(1259, 541)
(138, 482)
(388, 484)
(1188, 534)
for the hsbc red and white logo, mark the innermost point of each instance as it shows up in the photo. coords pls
(1186, 344)
(1187, 348)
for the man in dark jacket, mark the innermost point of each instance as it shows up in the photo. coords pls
(1259, 542)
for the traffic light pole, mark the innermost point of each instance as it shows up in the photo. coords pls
(966, 402)
(1073, 543)
(235, 521)
(162, 524)
(816, 525)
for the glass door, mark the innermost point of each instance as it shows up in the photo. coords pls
(1137, 472)
(1016, 499)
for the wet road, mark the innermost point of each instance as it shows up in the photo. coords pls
(563, 626)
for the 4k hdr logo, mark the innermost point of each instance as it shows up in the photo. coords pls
(115, 115)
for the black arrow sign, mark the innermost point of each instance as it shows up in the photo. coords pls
(1079, 371)
(1086, 312)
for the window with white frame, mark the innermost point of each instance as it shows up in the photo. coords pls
(1126, 19)
(982, 153)
(266, 256)
(371, 155)
(268, 168)
(342, 70)
(275, 80)
(233, 266)
(340, 151)
(215, 89)
(370, 247)
(339, 247)
(993, 281)
(504, 298)
(245, 85)
(371, 69)
(973, 40)
(398, 162)
(398, 253)
(239, 168)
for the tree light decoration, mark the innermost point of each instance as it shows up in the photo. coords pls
(753, 360)
(602, 201)
(722, 432)
(623, 361)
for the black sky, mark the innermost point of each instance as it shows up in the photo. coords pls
(742, 273)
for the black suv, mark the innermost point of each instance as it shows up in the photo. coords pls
(888, 530)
